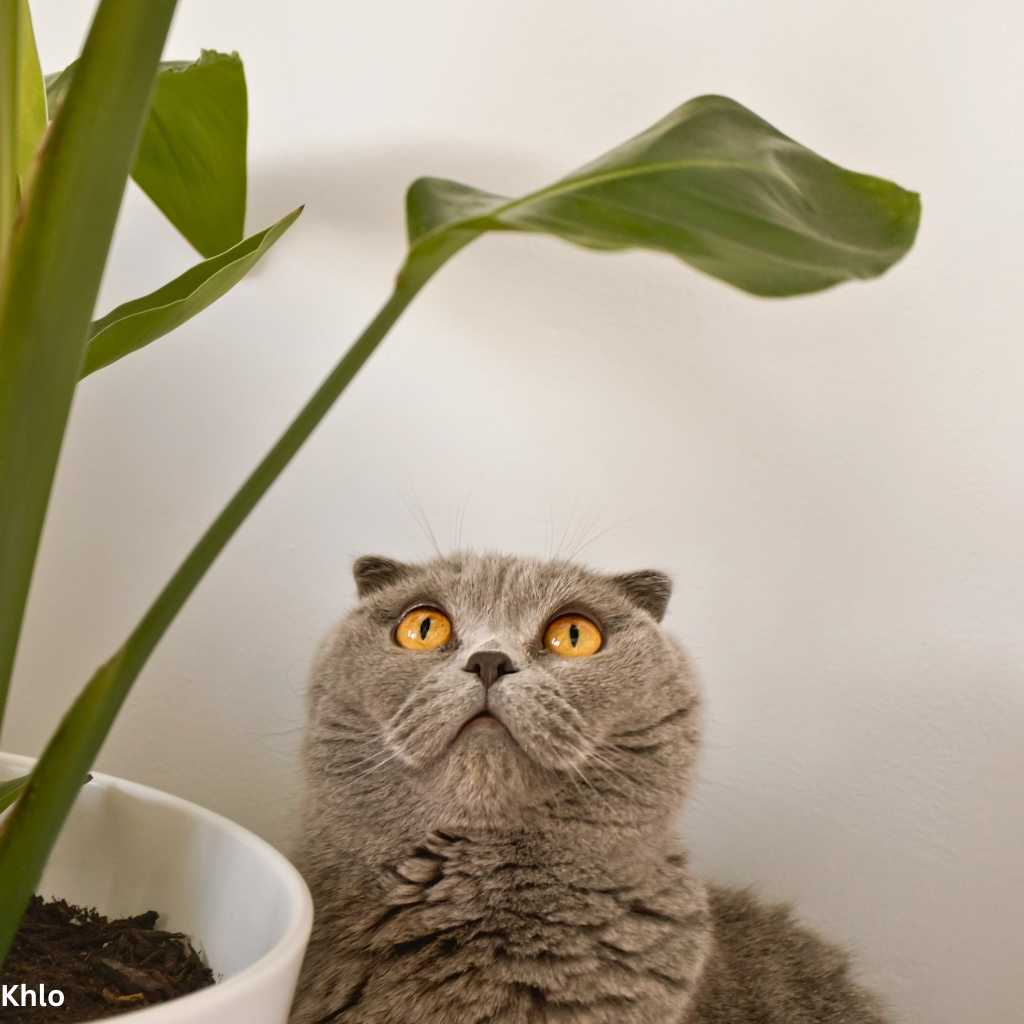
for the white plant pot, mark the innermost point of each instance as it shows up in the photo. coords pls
(127, 848)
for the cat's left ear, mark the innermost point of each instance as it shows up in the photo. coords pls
(647, 589)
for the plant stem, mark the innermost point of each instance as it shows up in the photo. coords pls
(161, 613)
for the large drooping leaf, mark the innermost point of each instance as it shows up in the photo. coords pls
(713, 184)
(47, 294)
(192, 157)
(135, 324)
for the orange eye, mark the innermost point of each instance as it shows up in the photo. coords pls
(573, 636)
(424, 629)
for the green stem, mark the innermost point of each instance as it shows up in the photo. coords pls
(161, 613)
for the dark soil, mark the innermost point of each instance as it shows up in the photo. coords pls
(104, 968)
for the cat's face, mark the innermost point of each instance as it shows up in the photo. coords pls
(487, 687)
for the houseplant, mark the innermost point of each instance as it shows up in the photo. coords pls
(126, 845)
(711, 184)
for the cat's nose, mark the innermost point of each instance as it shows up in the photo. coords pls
(490, 666)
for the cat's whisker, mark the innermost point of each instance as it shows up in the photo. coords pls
(587, 535)
(557, 553)
(460, 522)
(602, 762)
(605, 786)
(375, 768)
(581, 794)
(576, 768)
(364, 761)
(374, 747)
(419, 514)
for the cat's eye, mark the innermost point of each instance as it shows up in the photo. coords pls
(573, 636)
(423, 629)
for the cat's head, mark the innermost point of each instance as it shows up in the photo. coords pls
(484, 690)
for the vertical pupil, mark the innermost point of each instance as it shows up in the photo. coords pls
(425, 628)
(574, 634)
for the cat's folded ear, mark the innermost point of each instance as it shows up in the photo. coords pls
(647, 589)
(373, 572)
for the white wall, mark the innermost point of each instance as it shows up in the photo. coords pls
(836, 482)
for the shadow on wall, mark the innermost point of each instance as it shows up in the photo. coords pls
(360, 194)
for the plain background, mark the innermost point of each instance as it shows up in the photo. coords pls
(835, 481)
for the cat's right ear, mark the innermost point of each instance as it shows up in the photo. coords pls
(373, 572)
(648, 589)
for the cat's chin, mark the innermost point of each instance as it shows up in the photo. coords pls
(484, 780)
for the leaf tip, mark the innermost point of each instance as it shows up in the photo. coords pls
(219, 56)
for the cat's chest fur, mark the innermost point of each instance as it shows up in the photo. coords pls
(475, 931)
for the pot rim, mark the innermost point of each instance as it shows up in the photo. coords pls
(295, 935)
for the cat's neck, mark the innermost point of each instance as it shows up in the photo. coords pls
(571, 847)
(394, 861)
(541, 915)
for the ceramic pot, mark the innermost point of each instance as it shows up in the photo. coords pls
(127, 848)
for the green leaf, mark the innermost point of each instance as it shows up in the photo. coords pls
(31, 95)
(57, 85)
(50, 280)
(192, 158)
(10, 790)
(135, 324)
(22, 109)
(712, 184)
(10, 18)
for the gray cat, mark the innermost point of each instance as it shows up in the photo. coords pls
(497, 752)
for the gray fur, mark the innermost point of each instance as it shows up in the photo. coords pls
(531, 872)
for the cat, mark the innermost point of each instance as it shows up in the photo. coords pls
(496, 755)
